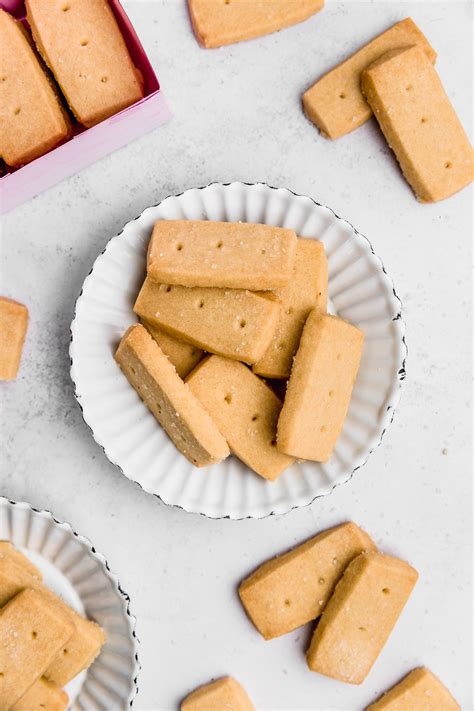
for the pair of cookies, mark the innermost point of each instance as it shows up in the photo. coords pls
(357, 595)
(393, 77)
(43, 642)
(341, 578)
(81, 44)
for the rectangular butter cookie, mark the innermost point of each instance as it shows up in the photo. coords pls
(419, 123)
(32, 631)
(183, 356)
(169, 399)
(9, 552)
(320, 387)
(292, 589)
(219, 23)
(231, 322)
(420, 690)
(81, 43)
(234, 255)
(14, 578)
(43, 695)
(225, 693)
(13, 326)
(360, 616)
(80, 651)
(32, 119)
(306, 290)
(335, 103)
(245, 410)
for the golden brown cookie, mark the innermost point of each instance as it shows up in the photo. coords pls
(224, 694)
(169, 399)
(420, 690)
(245, 410)
(13, 326)
(182, 355)
(360, 616)
(32, 119)
(232, 255)
(419, 123)
(306, 290)
(43, 695)
(320, 387)
(8, 551)
(81, 43)
(221, 22)
(231, 322)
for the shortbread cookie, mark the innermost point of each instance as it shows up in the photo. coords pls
(13, 579)
(419, 123)
(8, 550)
(87, 639)
(360, 616)
(292, 589)
(228, 21)
(420, 690)
(234, 255)
(43, 695)
(32, 631)
(13, 325)
(80, 651)
(335, 102)
(82, 45)
(245, 410)
(32, 120)
(225, 693)
(182, 355)
(306, 290)
(320, 387)
(231, 322)
(169, 399)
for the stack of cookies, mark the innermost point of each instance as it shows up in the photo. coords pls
(44, 643)
(231, 312)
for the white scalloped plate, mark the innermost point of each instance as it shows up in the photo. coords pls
(80, 575)
(359, 290)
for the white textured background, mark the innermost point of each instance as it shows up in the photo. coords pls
(237, 117)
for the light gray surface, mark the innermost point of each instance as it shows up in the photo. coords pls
(237, 116)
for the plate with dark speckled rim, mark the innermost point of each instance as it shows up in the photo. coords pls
(359, 291)
(74, 570)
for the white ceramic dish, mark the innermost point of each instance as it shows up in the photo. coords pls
(359, 290)
(80, 575)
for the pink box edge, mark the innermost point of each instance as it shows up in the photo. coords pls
(82, 150)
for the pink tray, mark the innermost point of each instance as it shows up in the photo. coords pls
(88, 145)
